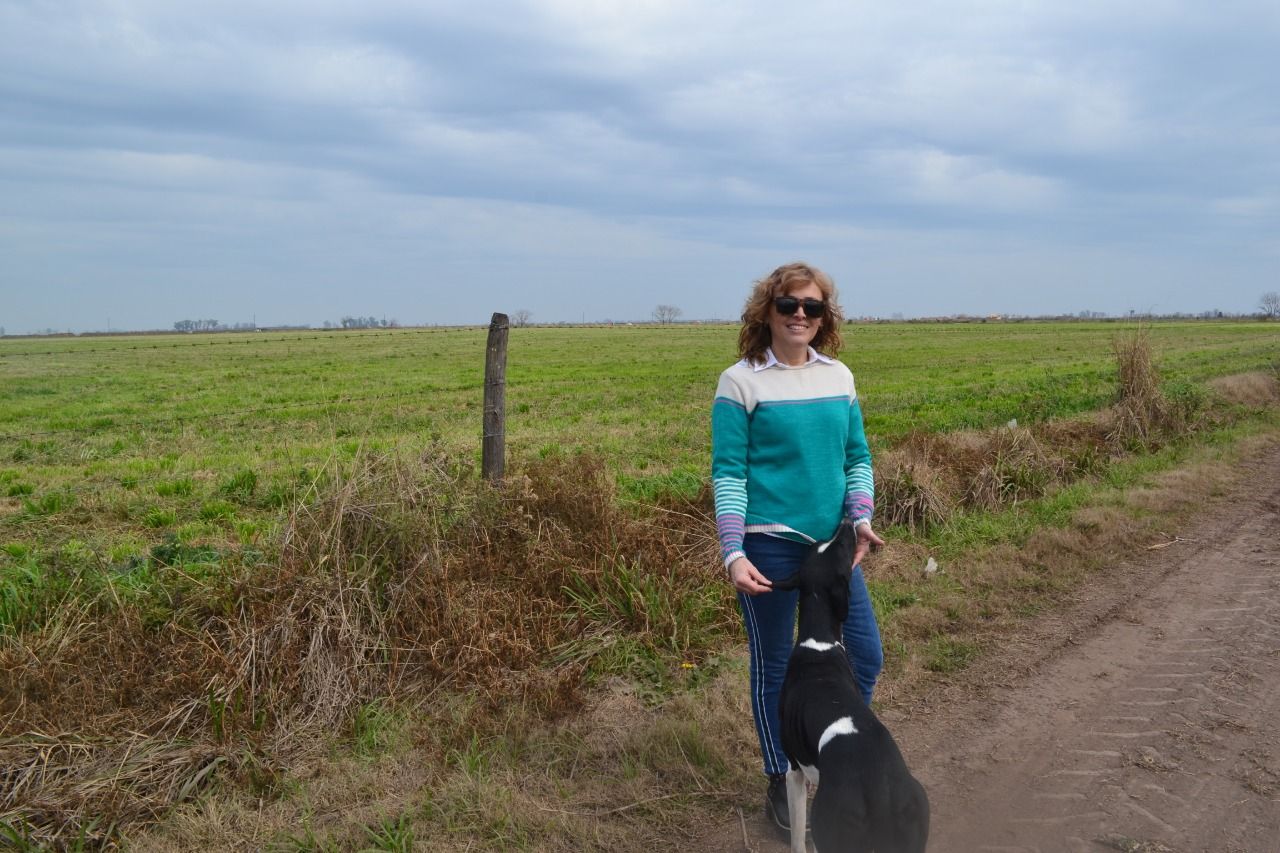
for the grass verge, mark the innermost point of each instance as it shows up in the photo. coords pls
(406, 603)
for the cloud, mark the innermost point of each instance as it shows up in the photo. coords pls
(931, 176)
(293, 145)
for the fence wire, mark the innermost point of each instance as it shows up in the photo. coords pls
(207, 417)
(324, 336)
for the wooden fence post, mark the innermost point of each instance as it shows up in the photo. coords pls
(493, 455)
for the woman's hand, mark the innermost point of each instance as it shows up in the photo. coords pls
(867, 539)
(747, 578)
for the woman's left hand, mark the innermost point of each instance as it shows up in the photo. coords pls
(867, 539)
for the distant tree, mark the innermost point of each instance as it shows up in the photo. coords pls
(666, 313)
(521, 317)
(369, 322)
(195, 325)
(1270, 305)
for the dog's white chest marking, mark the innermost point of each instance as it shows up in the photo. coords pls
(823, 547)
(842, 726)
(819, 646)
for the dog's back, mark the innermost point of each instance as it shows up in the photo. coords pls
(867, 799)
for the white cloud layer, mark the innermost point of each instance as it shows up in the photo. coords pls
(436, 162)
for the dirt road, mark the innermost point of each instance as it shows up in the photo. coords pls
(1147, 718)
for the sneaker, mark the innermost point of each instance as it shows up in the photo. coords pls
(775, 802)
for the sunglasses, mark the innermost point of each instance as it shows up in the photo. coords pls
(787, 305)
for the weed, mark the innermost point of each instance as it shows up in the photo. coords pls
(76, 554)
(175, 488)
(248, 532)
(375, 728)
(26, 589)
(50, 503)
(279, 495)
(174, 552)
(240, 486)
(473, 758)
(890, 596)
(393, 836)
(947, 654)
(17, 490)
(160, 517)
(306, 842)
(17, 836)
(217, 510)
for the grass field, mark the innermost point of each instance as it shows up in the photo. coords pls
(262, 536)
(116, 442)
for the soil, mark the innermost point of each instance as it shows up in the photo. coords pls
(1144, 717)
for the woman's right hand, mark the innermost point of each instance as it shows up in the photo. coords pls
(747, 578)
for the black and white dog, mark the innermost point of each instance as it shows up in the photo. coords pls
(867, 800)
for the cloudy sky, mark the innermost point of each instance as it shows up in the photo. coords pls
(435, 161)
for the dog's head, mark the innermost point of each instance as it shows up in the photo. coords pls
(824, 574)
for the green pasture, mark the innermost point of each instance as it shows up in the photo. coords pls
(145, 490)
(110, 445)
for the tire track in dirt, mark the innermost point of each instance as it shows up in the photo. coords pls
(1159, 732)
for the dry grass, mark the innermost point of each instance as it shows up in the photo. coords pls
(396, 580)
(1144, 416)
(922, 482)
(1253, 390)
(74, 790)
(910, 491)
(626, 775)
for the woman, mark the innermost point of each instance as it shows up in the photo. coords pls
(789, 459)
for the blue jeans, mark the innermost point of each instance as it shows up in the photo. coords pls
(770, 619)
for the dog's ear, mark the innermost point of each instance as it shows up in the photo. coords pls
(840, 598)
(842, 606)
(787, 584)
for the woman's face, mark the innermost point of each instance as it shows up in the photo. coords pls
(795, 330)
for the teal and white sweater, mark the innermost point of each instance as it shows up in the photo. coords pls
(788, 453)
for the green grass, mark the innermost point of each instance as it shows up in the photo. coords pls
(224, 429)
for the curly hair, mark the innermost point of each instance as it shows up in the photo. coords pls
(755, 335)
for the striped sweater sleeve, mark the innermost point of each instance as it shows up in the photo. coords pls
(729, 467)
(859, 485)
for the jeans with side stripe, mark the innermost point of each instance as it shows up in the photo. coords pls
(770, 620)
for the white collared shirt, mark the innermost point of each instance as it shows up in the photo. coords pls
(771, 360)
